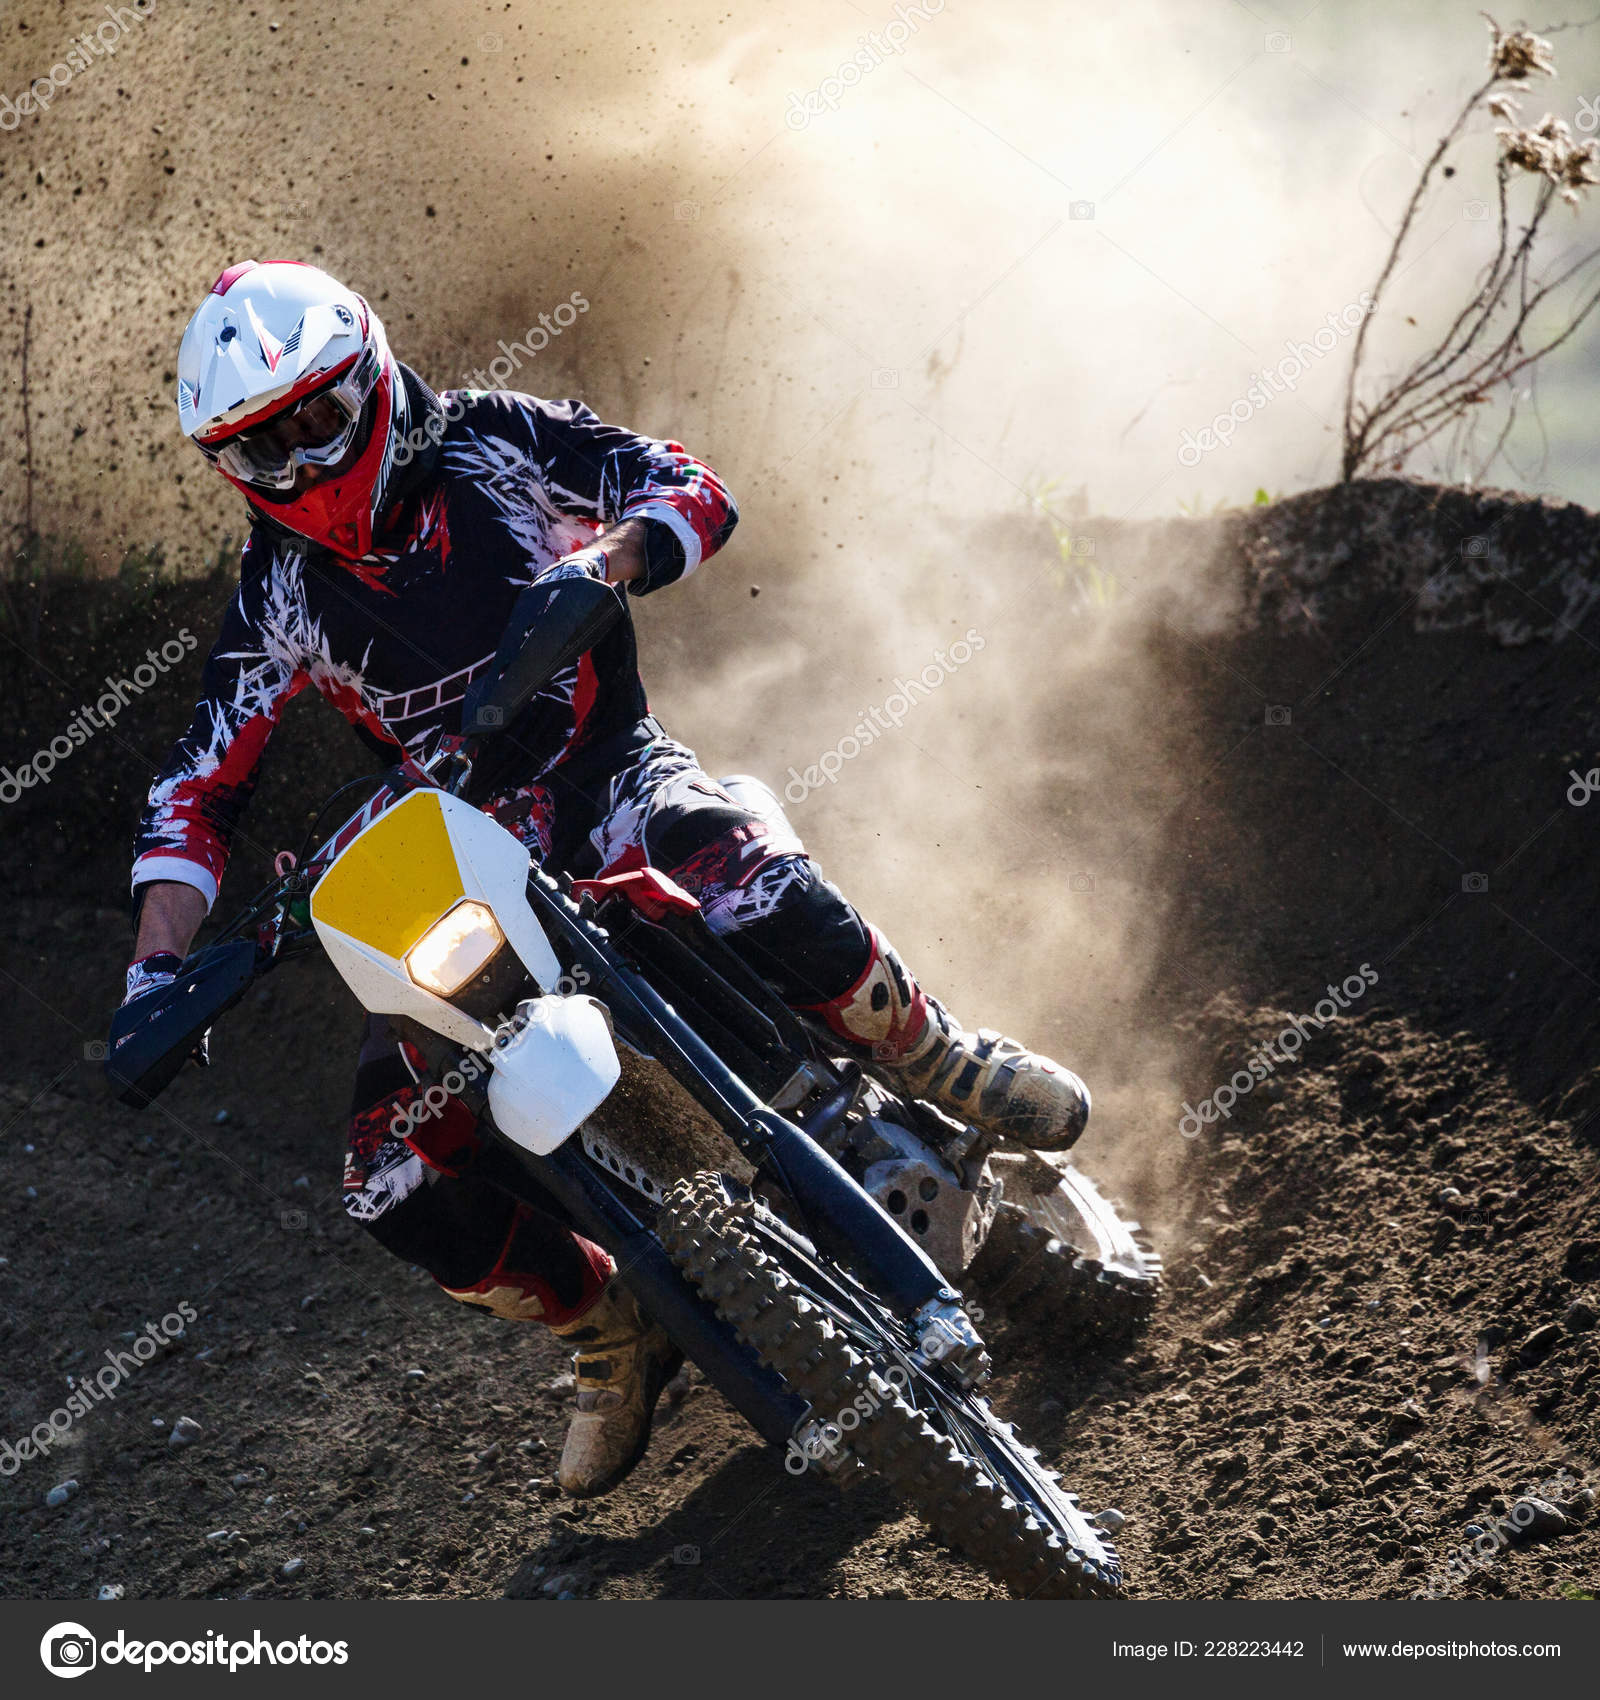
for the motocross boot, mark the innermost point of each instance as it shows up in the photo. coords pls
(623, 1362)
(982, 1078)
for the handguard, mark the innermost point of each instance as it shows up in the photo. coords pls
(152, 1037)
(552, 624)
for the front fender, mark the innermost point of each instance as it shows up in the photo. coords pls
(553, 1073)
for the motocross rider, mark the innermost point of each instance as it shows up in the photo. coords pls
(392, 530)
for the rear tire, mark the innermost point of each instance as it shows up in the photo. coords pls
(1069, 1265)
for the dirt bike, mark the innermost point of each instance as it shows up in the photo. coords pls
(814, 1281)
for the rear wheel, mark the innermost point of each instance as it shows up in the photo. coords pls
(1061, 1257)
(875, 1398)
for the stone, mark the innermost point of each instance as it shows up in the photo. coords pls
(1540, 1343)
(185, 1432)
(1534, 1519)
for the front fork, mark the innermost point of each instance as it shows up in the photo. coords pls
(836, 1210)
(758, 1393)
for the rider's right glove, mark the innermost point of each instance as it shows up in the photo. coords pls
(149, 974)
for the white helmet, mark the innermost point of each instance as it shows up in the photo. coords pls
(283, 367)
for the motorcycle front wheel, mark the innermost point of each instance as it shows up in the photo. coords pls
(876, 1398)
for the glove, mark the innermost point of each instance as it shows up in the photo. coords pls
(150, 974)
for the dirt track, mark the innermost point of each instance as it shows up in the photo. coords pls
(1154, 880)
(1347, 1372)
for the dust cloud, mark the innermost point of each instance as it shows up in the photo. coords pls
(902, 272)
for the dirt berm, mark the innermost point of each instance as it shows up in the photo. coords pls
(1354, 750)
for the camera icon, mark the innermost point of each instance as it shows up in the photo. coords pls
(1278, 714)
(489, 717)
(1081, 882)
(687, 212)
(1083, 546)
(1081, 210)
(68, 1649)
(1278, 42)
(491, 43)
(686, 1555)
(1474, 882)
(1475, 548)
(1475, 211)
(886, 378)
(293, 1220)
(96, 1050)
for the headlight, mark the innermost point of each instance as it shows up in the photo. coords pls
(456, 947)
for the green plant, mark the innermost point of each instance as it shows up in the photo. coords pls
(1076, 566)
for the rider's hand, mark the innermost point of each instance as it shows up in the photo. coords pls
(150, 974)
(146, 975)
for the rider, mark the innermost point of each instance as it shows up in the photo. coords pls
(391, 532)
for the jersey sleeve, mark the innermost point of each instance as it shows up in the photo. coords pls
(194, 806)
(591, 470)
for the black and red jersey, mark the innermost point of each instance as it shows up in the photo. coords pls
(392, 642)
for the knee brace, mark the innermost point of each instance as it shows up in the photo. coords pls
(795, 929)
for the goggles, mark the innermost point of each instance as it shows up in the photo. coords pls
(318, 430)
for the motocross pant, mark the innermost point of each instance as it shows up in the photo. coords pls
(414, 1189)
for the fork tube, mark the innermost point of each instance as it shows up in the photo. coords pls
(840, 1211)
(755, 1391)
